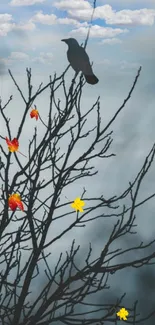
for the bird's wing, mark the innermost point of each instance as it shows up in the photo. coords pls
(79, 60)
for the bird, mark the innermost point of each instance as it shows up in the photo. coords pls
(79, 60)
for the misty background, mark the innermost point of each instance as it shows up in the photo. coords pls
(121, 39)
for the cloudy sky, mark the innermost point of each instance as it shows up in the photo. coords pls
(121, 39)
(31, 31)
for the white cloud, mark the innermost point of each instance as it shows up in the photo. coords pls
(70, 21)
(98, 31)
(14, 56)
(6, 25)
(129, 2)
(44, 19)
(52, 19)
(72, 4)
(82, 10)
(28, 26)
(44, 58)
(125, 17)
(5, 18)
(45, 39)
(132, 17)
(25, 2)
(6, 28)
(18, 56)
(111, 41)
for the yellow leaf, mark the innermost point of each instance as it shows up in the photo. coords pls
(122, 314)
(78, 204)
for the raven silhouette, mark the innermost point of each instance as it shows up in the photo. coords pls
(79, 60)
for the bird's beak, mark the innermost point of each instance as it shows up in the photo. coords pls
(64, 40)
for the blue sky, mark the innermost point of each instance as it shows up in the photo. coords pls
(27, 30)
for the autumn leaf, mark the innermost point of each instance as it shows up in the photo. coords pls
(122, 314)
(78, 204)
(34, 113)
(13, 145)
(15, 202)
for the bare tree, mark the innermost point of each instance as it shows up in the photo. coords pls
(68, 296)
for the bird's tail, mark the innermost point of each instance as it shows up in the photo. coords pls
(91, 79)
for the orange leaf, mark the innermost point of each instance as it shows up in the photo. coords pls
(34, 113)
(15, 202)
(12, 145)
(12, 205)
(20, 205)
